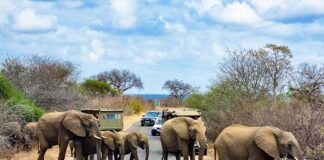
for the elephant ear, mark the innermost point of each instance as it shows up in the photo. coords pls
(109, 141)
(181, 128)
(265, 138)
(73, 123)
(132, 140)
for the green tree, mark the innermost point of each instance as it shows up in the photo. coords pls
(178, 89)
(98, 88)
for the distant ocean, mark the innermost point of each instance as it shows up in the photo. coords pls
(152, 96)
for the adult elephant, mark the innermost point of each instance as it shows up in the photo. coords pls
(30, 131)
(110, 142)
(239, 142)
(179, 134)
(132, 141)
(57, 128)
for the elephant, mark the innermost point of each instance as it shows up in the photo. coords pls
(110, 142)
(57, 128)
(132, 141)
(13, 131)
(30, 130)
(179, 134)
(239, 142)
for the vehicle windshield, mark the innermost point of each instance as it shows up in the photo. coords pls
(158, 121)
(151, 114)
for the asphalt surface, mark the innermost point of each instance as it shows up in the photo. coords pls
(154, 144)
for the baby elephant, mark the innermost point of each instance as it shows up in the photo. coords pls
(132, 141)
(238, 142)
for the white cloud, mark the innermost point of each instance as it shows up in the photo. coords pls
(5, 8)
(97, 51)
(173, 27)
(30, 21)
(150, 57)
(203, 6)
(278, 9)
(235, 13)
(124, 13)
(239, 13)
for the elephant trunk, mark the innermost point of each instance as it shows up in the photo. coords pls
(122, 152)
(147, 150)
(201, 141)
(97, 135)
(98, 148)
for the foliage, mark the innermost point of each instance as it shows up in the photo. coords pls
(44, 80)
(136, 105)
(308, 83)
(257, 73)
(178, 89)
(13, 98)
(97, 88)
(122, 80)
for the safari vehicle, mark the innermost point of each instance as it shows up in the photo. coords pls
(170, 113)
(108, 119)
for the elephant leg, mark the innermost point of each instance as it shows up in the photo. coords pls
(183, 148)
(222, 154)
(165, 155)
(134, 154)
(178, 155)
(91, 156)
(191, 150)
(63, 142)
(78, 149)
(105, 152)
(43, 146)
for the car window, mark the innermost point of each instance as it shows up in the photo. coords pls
(158, 121)
(151, 114)
(112, 116)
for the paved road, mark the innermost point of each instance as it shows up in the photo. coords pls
(154, 143)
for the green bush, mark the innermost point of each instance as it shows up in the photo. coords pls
(136, 105)
(13, 97)
(98, 88)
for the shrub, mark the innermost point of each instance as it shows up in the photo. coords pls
(136, 105)
(10, 95)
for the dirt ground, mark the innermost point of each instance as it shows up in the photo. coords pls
(52, 153)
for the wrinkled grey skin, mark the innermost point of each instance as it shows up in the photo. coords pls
(57, 128)
(30, 131)
(132, 141)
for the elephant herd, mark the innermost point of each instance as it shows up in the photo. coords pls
(178, 136)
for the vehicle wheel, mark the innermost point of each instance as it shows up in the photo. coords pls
(142, 124)
(153, 132)
(205, 152)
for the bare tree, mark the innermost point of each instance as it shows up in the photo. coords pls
(246, 72)
(42, 79)
(308, 83)
(122, 80)
(276, 59)
(178, 89)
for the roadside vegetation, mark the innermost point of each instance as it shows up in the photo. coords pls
(254, 87)
(260, 87)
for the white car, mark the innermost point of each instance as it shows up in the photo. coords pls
(156, 129)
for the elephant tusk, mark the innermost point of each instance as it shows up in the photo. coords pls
(97, 137)
(103, 137)
(295, 158)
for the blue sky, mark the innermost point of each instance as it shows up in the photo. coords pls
(159, 40)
